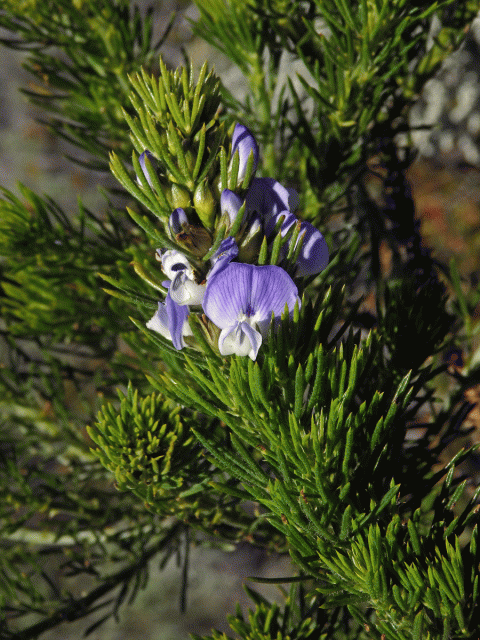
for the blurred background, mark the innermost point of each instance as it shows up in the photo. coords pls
(445, 180)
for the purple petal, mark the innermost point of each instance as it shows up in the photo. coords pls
(267, 197)
(313, 256)
(141, 160)
(288, 220)
(177, 219)
(293, 199)
(272, 289)
(226, 297)
(243, 291)
(170, 321)
(225, 253)
(230, 204)
(177, 316)
(244, 142)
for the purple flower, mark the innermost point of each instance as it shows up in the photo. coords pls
(244, 142)
(242, 298)
(313, 256)
(170, 320)
(141, 160)
(268, 197)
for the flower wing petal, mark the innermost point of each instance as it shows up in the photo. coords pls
(225, 253)
(177, 315)
(288, 220)
(267, 197)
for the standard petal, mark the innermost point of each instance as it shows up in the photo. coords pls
(272, 289)
(293, 199)
(247, 292)
(227, 297)
(174, 261)
(244, 142)
(240, 339)
(313, 256)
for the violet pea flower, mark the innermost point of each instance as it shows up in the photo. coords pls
(244, 142)
(313, 256)
(241, 299)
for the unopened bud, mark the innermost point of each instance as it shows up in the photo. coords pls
(204, 204)
(179, 197)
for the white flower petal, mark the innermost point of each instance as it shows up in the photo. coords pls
(185, 291)
(159, 322)
(174, 261)
(240, 339)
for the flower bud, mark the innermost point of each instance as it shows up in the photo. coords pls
(314, 255)
(179, 196)
(204, 204)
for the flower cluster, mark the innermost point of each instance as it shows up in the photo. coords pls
(237, 296)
